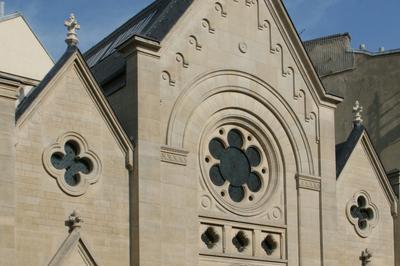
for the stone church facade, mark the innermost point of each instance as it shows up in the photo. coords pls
(198, 133)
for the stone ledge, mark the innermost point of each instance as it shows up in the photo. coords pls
(308, 182)
(173, 155)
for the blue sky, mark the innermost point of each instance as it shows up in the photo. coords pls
(373, 22)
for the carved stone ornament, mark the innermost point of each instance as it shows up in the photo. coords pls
(74, 246)
(72, 26)
(72, 164)
(236, 169)
(362, 214)
(174, 156)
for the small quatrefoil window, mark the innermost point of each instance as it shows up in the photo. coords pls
(362, 213)
(235, 165)
(72, 164)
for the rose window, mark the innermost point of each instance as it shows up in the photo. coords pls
(235, 161)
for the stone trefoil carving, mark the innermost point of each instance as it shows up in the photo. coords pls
(362, 213)
(72, 164)
(72, 26)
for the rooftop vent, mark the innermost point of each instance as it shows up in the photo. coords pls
(381, 49)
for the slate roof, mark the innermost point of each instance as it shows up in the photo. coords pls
(345, 149)
(331, 54)
(27, 101)
(153, 22)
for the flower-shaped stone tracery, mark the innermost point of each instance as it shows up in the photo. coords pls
(362, 213)
(71, 163)
(236, 165)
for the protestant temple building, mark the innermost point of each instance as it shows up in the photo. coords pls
(192, 136)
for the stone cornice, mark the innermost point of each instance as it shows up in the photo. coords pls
(173, 155)
(9, 89)
(308, 182)
(138, 44)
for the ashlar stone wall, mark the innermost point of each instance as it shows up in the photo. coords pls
(360, 178)
(42, 204)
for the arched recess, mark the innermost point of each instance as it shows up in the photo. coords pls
(243, 91)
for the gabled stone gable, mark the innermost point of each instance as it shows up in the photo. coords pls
(363, 174)
(71, 110)
(214, 71)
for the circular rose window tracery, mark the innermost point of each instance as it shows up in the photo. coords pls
(236, 168)
(235, 165)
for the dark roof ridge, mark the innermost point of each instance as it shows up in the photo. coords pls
(153, 23)
(328, 37)
(345, 149)
(123, 27)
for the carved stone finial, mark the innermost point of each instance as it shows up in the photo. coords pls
(74, 221)
(366, 257)
(72, 26)
(357, 110)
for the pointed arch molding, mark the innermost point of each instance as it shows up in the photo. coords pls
(230, 89)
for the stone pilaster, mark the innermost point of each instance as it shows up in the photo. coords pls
(143, 81)
(309, 188)
(8, 96)
(394, 178)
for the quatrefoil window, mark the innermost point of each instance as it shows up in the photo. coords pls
(236, 165)
(72, 164)
(362, 213)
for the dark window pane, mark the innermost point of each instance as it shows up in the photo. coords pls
(236, 193)
(254, 182)
(216, 177)
(362, 202)
(216, 148)
(362, 224)
(235, 139)
(235, 167)
(254, 156)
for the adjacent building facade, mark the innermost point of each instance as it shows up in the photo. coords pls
(190, 136)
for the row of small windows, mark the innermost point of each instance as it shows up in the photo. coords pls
(211, 238)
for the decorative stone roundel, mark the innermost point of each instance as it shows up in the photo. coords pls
(362, 213)
(235, 167)
(72, 164)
